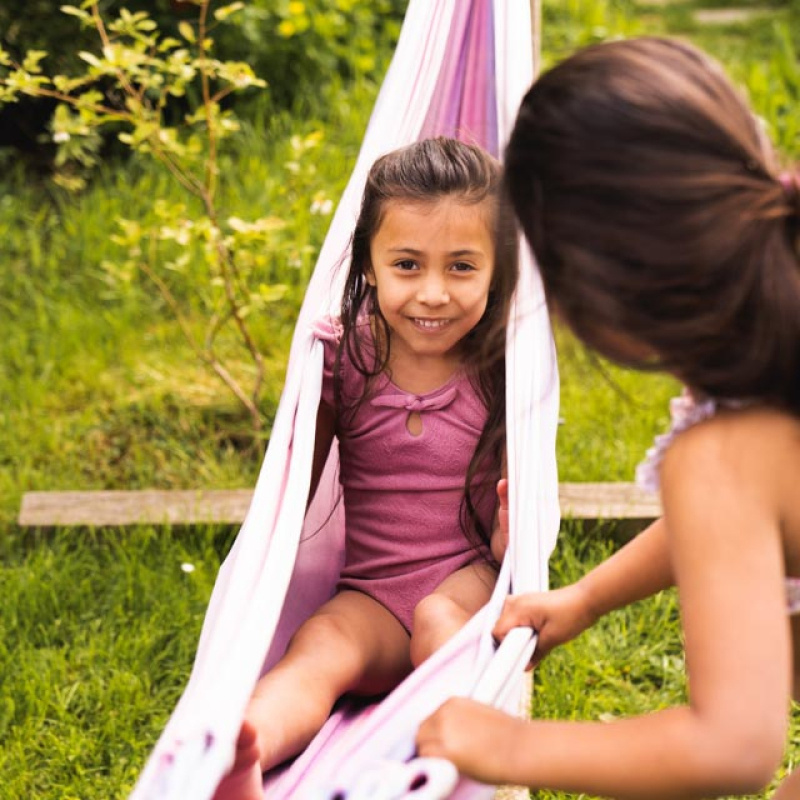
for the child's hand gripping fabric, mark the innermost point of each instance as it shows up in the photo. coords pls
(478, 740)
(556, 616)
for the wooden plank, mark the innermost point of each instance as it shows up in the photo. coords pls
(608, 501)
(728, 16)
(582, 501)
(184, 507)
(512, 793)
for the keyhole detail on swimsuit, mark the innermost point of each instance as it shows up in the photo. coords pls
(414, 423)
(416, 404)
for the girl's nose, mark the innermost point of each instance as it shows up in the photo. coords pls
(433, 292)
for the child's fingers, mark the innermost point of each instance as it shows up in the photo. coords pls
(502, 493)
(477, 739)
(516, 613)
(502, 509)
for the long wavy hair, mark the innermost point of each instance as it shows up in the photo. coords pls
(650, 196)
(428, 171)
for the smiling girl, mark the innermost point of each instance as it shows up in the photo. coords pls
(419, 420)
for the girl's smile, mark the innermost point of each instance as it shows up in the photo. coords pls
(432, 266)
(431, 325)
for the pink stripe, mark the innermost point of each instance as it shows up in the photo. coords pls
(479, 106)
(442, 113)
(464, 104)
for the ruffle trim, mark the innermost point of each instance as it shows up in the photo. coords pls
(685, 411)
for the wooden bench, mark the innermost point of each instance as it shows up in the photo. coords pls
(593, 502)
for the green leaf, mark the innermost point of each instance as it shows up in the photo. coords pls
(187, 31)
(273, 293)
(90, 99)
(168, 43)
(72, 11)
(221, 14)
(21, 81)
(32, 59)
(89, 58)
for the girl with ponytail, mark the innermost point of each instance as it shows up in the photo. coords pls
(668, 239)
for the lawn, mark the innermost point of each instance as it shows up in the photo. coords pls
(98, 390)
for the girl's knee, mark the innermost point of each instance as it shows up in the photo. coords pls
(436, 618)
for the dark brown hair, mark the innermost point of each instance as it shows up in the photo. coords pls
(649, 195)
(428, 171)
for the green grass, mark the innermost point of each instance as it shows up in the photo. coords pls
(98, 390)
(609, 415)
(98, 630)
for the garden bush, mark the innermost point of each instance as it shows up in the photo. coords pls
(295, 45)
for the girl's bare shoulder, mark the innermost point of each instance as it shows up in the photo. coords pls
(756, 447)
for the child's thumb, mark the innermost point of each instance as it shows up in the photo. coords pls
(502, 492)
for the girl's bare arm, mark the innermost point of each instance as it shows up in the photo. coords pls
(638, 570)
(725, 549)
(326, 426)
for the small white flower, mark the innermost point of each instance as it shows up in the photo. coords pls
(322, 207)
(60, 136)
(187, 567)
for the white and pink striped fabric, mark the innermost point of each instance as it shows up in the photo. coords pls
(460, 68)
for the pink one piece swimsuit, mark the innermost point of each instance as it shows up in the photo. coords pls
(685, 412)
(403, 492)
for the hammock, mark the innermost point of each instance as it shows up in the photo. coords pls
(460, 69)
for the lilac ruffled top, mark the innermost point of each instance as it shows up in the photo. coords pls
(403, 492)
(686, 411)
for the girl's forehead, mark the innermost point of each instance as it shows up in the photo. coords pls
(451, 216)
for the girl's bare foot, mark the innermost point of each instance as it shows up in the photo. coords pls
(244, 781)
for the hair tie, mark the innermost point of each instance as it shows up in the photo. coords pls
(790, 183)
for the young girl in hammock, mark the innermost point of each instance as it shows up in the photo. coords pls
(420, 425)
(667, 239)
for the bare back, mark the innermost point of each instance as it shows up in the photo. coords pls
(732, 509)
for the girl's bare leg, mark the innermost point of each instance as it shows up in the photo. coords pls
(352, 644)
(440, 615)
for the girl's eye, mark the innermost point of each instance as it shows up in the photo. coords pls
(461, 266)
(406, 265)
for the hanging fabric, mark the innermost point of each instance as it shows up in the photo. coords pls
(460, 69)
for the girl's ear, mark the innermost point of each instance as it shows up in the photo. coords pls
(369, 275)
